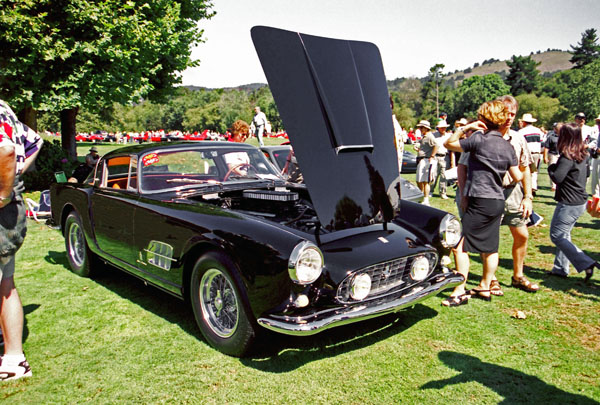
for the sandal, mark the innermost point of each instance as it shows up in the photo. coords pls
(495, 289)
(475, 293)
(523, 284)
(456, 301)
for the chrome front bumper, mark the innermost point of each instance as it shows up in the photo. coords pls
(319, 321)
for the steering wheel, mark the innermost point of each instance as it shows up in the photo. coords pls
(241, 166)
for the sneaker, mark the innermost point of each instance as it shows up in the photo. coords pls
(444, 197)
(14, 372)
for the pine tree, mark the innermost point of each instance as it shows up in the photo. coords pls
(587, 50)
(523, 76)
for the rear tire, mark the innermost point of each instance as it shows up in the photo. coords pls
(220, 305)
(78, 253)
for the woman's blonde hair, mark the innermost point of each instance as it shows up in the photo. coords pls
(493, 113)
(240, 127)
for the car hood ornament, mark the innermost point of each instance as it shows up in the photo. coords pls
(333, 99)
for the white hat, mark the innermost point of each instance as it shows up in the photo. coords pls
(424, 123)
(528, 118)
(462, 121)
(442, 124)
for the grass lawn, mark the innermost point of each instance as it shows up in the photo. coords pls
(111, 339)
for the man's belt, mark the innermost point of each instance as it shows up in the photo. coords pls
(440, 155)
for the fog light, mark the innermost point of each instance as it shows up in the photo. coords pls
(301, 301)
(445, 260)
(360, 287)
(420, 268)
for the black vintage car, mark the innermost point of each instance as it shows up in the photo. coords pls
(214, 223)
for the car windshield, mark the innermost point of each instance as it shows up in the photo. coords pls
(169, 169)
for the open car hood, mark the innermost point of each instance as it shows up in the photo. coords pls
(333, 99)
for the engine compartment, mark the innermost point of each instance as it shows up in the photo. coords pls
(289, 207)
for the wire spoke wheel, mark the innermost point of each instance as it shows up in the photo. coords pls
(219, 303)
(76, 244)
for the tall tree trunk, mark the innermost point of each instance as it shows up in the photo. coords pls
(68, 132)
(28, 116)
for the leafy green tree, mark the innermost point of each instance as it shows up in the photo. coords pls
(545, 109)
(583, 90)
(60, 55)
(473, 92)
(587, 50)
(523, 76)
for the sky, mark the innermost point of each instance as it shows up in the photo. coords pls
(412, 36)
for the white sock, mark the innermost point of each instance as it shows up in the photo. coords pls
(13, 359)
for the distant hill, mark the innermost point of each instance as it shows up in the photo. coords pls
(245, 87)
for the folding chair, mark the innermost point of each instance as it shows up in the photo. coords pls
(39, 210)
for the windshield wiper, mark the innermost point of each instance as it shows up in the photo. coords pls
(195, 181)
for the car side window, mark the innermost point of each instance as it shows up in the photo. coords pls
(132, 183)
(116, 172)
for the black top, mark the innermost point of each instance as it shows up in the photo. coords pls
(490, 157)
(570, 178)
(551, 143)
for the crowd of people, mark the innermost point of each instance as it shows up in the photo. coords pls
(496, 170)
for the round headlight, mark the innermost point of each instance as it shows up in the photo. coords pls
(450, 231)
(360, 286)
(419, 268)
(306, 263)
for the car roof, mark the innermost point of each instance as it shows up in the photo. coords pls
(142, 149)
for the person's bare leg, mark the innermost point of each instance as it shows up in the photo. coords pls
(461, 260)
(11, 317)
(520, 236)
(490, 264)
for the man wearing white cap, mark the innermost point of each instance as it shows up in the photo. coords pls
(594, 149)
(533, 136)
(426, 159)
(441, 136)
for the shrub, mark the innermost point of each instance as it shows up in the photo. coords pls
(52, 158)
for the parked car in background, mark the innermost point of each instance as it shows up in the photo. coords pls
(409, 162)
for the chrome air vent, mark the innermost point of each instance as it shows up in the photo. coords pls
(160, 254)
(271, 195)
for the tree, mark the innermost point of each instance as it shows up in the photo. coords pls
(60, 55)
(587, 50)
(523, 76)
(547, 110)
(434, 77)
(583, 90)
(473, 92)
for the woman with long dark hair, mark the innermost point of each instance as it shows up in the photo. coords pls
(570, 174)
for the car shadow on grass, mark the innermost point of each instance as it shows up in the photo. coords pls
(281, 353)
(513, 385)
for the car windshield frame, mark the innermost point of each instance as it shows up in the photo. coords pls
(259, 169)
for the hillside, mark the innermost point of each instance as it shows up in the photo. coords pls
(551, 62)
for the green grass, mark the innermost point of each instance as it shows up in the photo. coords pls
(111, 339)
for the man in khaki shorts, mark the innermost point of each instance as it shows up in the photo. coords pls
(518, 205)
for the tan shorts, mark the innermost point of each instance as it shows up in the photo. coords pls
(513, 216)
(424, 171)
(7, 266)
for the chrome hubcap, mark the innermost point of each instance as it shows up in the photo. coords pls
(219, 303)
(76, 244)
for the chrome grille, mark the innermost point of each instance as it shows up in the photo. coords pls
(386, 277)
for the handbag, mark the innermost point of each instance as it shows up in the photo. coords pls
(593, 206)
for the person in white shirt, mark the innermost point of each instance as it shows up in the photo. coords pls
(594, 150)
(440, 137)
(259, 121)
(533, 135)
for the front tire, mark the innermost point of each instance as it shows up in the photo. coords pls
(78, 253)
(220, 306)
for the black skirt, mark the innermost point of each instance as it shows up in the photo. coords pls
(481, 225)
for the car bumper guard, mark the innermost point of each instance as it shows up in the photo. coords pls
(333, 317)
